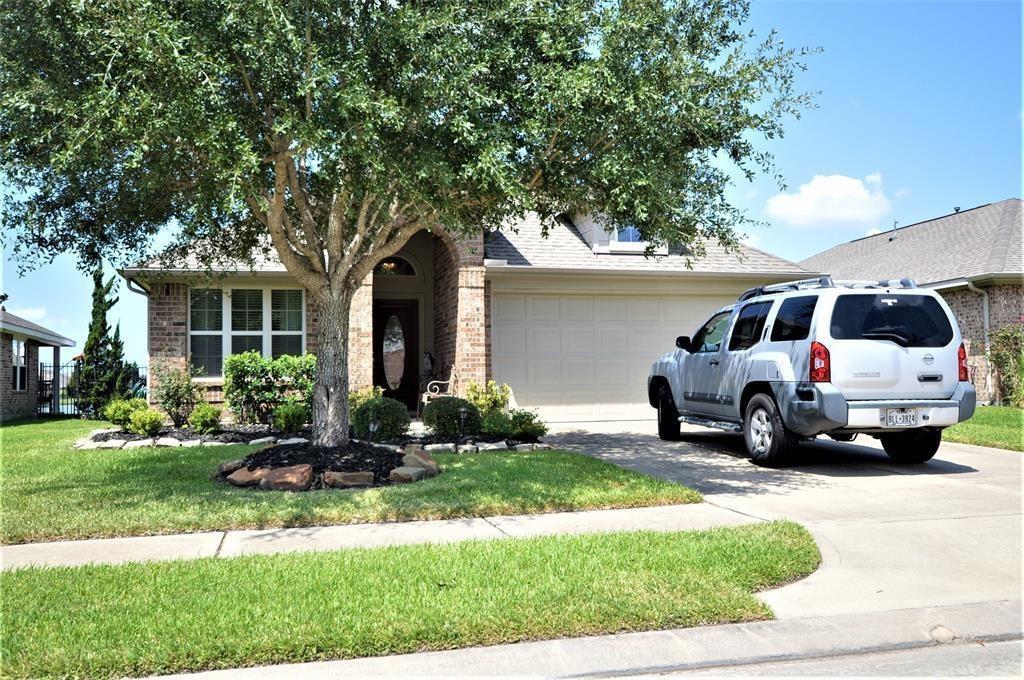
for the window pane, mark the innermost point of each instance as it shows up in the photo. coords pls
(247, 310)
(207, 354)
(246, 343)
(793, 321)
(285, 344)
(22, 377)
(709, 338)
(286, 310)
(916, 319)
(207, 310)
(628, 235)
(749, 326)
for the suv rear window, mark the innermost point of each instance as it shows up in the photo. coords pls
(908, 320)
(793, 322)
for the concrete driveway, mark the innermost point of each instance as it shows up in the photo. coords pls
(892, 537)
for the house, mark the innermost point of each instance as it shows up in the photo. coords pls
(974, 258)
(571, 321)
(20, 340)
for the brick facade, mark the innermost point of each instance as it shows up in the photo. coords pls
(21, 403)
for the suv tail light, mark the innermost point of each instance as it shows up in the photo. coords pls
(961, 362)
(821, 369)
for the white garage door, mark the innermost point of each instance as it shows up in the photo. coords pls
(585, 357)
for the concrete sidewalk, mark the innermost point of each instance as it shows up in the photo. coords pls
(671, 651)
(305, 539)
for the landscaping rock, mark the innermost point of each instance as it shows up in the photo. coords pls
(291, 478)
(495, 446)
(214, 443)
(138, 443)
(262, 440)
(440, 448)
(293, 440)
(346, 480)
(229, 466)
(523, 447)
(247, 477)
(390, 447)
(112, 444)
(467, 448)
(90, 445)
(404, 475)
(543, 447)
(104, 430)
(421, 459)
(167, 441)
(192, 442)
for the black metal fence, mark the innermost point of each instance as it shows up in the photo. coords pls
(69, 382)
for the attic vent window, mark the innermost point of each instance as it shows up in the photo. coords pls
(394, 266)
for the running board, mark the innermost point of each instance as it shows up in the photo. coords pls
(708, 422)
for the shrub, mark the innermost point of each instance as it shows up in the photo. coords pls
(1007, 355)
(527, 426)
(176, 393)
(490, 398)
(205, 418)
(254, 385)
(146, 422)
(119, 411)
(392, 415)
(289, 417)
(442, 416)
(360, 397)
(497, 423)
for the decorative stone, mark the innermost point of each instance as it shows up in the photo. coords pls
(439, 448)
(523, 447)
(346, 480)
(192, 442)
(90, 445)
(293, 440)
(404, 475)
(543, 447)
(167, 441)
(246, 477)
(262, 440)
(390, 447)
(112, 444)
(421, 459)
(80, 443)
(212, 443)
(229, 466)
(467, 448)
(495, 446)
(103, 430)
(138, 444)
(291, 478)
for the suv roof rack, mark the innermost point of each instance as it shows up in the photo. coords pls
(822, 282)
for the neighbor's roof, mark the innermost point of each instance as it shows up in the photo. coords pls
(565, 249)
(15, 324)
(979, 242)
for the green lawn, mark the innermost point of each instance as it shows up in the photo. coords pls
(142, 619)
(998, 426)
(51, 491)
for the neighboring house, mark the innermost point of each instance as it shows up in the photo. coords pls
(571, 322)
(20, 341)
(974, 258)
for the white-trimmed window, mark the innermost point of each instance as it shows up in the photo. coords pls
(19, 366)
(270, 321)
(628, 234)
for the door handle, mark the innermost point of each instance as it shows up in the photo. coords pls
(714, 362)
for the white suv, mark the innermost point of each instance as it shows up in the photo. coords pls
(799, 359)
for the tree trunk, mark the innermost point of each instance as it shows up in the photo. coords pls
(330, 391)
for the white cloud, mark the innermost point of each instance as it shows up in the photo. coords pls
(872, 232)
(33, 314)
(831, 200)
(901, 193)
(752, 240)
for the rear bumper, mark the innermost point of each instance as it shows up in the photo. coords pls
(813, 408)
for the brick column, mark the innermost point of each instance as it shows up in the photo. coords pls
(471, 334)
(360, 337)
(168, 329)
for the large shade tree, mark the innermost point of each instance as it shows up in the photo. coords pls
(330, 131)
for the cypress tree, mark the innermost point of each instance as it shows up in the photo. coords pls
(101, 377)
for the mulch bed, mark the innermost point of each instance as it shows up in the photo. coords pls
(353, 457)
(229, 434)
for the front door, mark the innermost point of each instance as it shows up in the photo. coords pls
(396, 349)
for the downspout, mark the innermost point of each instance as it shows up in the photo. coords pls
(985, 324)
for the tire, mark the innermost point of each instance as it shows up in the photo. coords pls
(912, 446)
(668, 415)
(767, 439)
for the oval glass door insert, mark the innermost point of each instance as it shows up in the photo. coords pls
(393, 352)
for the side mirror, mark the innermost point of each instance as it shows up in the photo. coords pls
(683, 342)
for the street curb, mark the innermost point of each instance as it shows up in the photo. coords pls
(684, 649)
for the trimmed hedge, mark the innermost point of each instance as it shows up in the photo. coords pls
(392, 415)
(254, 385)
(119, 411)
(442, 416)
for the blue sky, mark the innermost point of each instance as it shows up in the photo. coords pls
(919, 111)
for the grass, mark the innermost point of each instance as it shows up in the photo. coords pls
(142, 619)
(51, 491)
(998, 426)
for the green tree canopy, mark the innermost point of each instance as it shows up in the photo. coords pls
(331, 131)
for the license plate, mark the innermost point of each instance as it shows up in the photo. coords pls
(900, 417)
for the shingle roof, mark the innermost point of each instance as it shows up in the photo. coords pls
(12, 322)
(525, 247)
(976, 242)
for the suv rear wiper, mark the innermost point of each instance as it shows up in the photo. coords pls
(895, 337)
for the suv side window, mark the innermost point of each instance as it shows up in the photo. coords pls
(709, 337)
(749, 325)
(793, 322)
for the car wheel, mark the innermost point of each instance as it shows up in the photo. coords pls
(668, 415)
(912, 446)
(768, 441)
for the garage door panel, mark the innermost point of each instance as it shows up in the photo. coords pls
(643, 309)
(579, 340)
(612, 373)
(610, 309)
(579, 372)
(544, 308)
(544, 340)
(579, 309)
(613, 341)
(509, 308)
(510, 341)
